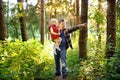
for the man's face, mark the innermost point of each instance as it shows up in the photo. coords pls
(62, 25)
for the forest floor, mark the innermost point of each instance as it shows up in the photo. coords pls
(59, 78)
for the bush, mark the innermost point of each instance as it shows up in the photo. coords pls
(113, 67)
(24, 60)
(93, 68)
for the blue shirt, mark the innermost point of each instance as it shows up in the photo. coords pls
(63, 44)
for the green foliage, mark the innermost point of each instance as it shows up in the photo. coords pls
(59, 6)
(25, 60)
(118, 26)
(98, 16)
(113, 68)
(118, 10)
(30, 60)
(94, 67)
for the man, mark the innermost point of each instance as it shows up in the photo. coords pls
(64, 45)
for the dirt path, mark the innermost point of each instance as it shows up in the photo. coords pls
(59, 78)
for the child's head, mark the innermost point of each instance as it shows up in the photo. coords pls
(53, 21)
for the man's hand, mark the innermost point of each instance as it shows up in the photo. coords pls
(82, 25)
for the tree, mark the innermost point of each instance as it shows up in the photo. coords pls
(76, 18)
(77, 12)
(42, 22)
(83, 32)
(7, 17)
(111, 31)
(118, 1)
(22, 21)
(3, 31)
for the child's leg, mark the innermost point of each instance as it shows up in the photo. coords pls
(57, 43)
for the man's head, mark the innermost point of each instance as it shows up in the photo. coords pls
(62, 24)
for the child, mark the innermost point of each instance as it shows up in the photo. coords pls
(55, 33)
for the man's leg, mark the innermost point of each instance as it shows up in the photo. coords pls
(57, 64)
(64, 64)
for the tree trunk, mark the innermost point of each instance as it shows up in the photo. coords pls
(16, 32)
(77, 12)
(32, 31)
(22, 22)
(7, 26)
(3, 31)
(118, 1)
(98, 24)
(76, 18)
(111, 31)
(42, 22)
(83, 32)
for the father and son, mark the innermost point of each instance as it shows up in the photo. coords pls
(60, 35)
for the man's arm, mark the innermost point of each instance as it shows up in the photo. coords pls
(72, 29)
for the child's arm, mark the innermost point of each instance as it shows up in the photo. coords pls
(52, 32)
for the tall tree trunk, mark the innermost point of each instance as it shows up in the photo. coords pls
(3, 31)
(32, 31)
(76, 18)
(7, 17)
(22, 22)
(42, 22)
(118, 1)
(98, 24)
(111, 31)
(16, 32)
(77, 12)
(83, 32)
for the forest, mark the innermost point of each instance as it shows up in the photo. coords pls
(26, 49)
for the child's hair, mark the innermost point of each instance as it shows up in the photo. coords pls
(53, 21)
